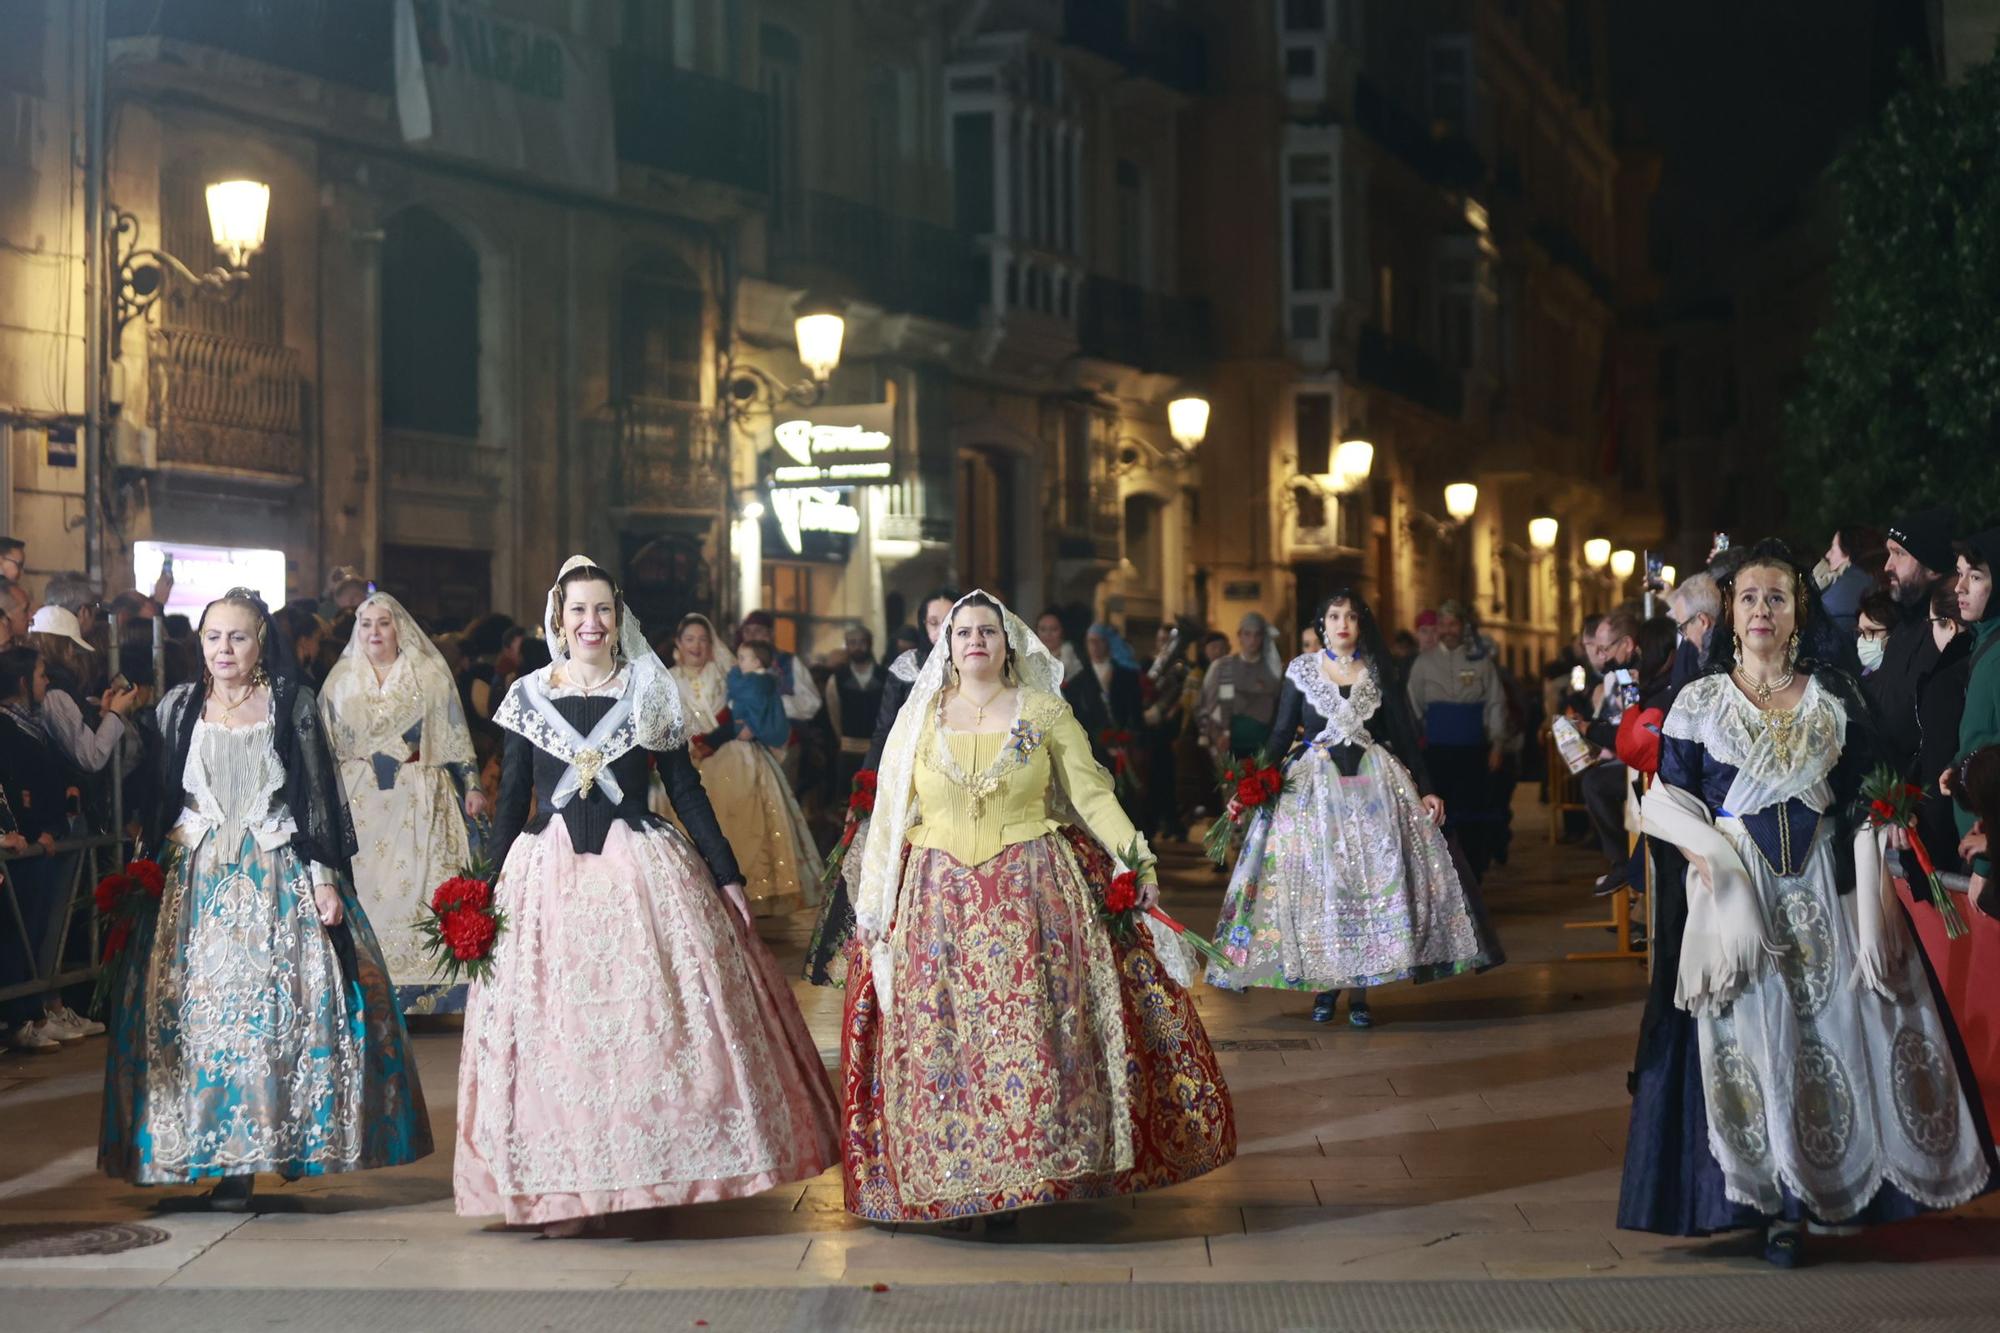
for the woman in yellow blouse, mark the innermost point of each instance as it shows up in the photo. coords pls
(1006, 1046)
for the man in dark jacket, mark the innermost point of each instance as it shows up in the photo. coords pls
(1919, 557)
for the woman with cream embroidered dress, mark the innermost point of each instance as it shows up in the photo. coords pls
(759, 816)
(393, 714)
(635, 1046)
(1830, 1092)
(254, 1028)
(1000, 1048)
(1345, 881)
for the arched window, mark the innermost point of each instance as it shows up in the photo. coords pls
(430, 327)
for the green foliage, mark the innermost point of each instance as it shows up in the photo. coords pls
(1902, 397)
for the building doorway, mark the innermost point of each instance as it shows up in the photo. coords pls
(986, 516)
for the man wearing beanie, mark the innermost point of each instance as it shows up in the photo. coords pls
(1919, 556)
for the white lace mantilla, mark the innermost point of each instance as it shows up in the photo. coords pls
(1778, 754)
(1347, 715)
(906, 667)
(655, 720)
(233, 784)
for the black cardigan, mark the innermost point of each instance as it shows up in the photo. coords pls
(527, 770)
(1122, 710)
(1393, 726)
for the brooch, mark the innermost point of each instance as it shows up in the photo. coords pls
(1025, 738)
(589, 763)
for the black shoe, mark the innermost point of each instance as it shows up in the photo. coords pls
(1610, 882)
(1324, 1006)
(1358, 1015)
(1784, 1248)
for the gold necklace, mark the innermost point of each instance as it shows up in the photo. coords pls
(1764, 689)
(215, 693)
(979, 709)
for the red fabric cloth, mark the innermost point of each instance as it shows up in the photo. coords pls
(1639, 739)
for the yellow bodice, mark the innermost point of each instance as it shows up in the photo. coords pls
(1002, 791)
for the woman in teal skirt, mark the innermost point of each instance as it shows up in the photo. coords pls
(254, 1028)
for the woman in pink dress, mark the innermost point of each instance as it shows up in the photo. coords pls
(636, 1046)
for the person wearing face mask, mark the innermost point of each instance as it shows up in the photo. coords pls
(1878, 615)
(1920, 555)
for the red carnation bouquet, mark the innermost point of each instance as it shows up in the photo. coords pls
(1252, 784)
(1120, 908)
(1117, 746)
(126, 899)
(461, 925)
(860, 805)
(1893, 803)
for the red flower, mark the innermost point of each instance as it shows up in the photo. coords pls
(1123, 895)
(470, 933)
(148, 876)
(862, 802)
(110, 890)
(1883, 810)
(461, 891)
(116, 939)
(1272, 781)
(865, 780)
(1250, 791)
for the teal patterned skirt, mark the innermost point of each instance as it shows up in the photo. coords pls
(247, 1037)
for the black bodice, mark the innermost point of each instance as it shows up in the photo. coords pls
(527, 769)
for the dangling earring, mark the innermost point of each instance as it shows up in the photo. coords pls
(1737, 641)
(1791, 650)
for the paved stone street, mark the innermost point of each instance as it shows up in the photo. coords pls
(1473, 1137)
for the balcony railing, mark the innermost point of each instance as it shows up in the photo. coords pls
(1146, 330)
(1447, 160)
(1408, 371)
(446, 464)
(662, 454)
(344, 41)
(1154, 42)
(899, 263)
(691, 124)
(226, 402)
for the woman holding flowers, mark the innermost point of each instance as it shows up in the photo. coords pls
(252, 1027)
(1830, 1087)
(633, 1044)
(1003, 1045)
(393, 714)
(1345, 880)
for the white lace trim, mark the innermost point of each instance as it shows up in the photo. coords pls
(1769, 770)
(906, 667)
(234, 782)
(1347, 715)
(657, 720)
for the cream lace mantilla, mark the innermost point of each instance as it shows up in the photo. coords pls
(1347, 715)
(1779, 755)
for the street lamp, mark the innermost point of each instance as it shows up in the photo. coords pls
(1461, 498)
(237, 213)
(1187, 420)
(1597, 553)
(1623, 562)
(1353, 460)
(1542, 533)
(750, 390)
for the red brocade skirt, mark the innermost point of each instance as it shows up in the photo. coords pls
(1027, 1058)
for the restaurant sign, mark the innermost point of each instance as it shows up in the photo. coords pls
(833, 446)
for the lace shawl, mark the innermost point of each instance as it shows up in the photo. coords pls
(1347, 715)
(1778, 756)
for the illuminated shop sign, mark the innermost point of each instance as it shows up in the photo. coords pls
(834, 446)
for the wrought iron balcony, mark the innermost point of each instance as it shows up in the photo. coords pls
(691, 124)
(1408, 371)
(229, 403)
(1146, 330)
(662, 454)
(343, 41)
(899, 263)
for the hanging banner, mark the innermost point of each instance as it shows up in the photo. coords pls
(473, 83)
